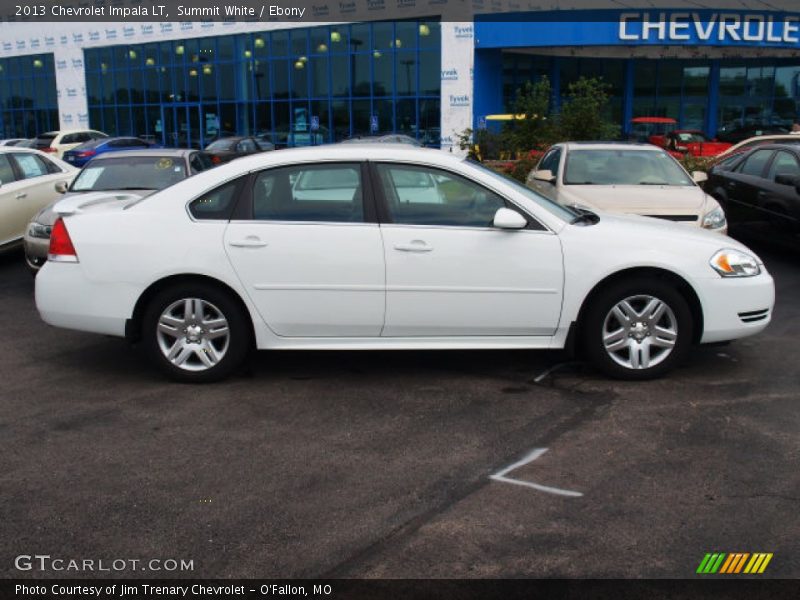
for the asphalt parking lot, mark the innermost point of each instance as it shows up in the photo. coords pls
(378, 464)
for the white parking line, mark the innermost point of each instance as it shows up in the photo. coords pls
(530, 457)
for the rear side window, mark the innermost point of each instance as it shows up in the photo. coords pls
(218, 204)
(6, 172)
(315, 193)
(30, 165)
(44, 141)
(755, 163)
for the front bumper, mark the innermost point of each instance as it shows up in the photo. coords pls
(736, 307)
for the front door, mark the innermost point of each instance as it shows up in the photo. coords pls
(450, 273)
(309, 252)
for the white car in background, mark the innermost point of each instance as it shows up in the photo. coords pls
(235, 258)
(624, 178)
(28, 180)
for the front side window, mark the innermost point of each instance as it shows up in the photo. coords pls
(313, 193)
(426, 196)
(550, 161)
(754, 164)
(246, 146)
(623, 167)
(30, 165)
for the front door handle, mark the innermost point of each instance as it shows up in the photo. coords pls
(21, 195)
(414, 246)
(248, 242)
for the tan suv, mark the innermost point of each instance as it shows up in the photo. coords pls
(59, 142)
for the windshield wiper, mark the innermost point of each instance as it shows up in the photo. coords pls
(651, 183)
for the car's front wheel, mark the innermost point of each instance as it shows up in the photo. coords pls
(637, 329)
(195, 333)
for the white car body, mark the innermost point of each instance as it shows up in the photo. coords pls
(22, 198)
(380, 285)
(686, 203)
(744, 145)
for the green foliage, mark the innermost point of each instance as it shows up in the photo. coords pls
(697, 163)
(582, 117)
(583, 113)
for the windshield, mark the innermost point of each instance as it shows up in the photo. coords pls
(562, 212)
(131, 173)
(623, 167)
(690, 136)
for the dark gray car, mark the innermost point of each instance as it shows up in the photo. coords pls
(135, 172)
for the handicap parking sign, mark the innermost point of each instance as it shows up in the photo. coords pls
(314, 123)
(373, 123)
(482, 123)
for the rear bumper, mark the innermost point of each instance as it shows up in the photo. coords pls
(736, 308)
(65, 297)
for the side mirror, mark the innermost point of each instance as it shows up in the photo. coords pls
(61, 187)
(544, 175)
(505, 218)
(699, 176)
(786, 179)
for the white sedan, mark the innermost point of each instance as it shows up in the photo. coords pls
(236, 258)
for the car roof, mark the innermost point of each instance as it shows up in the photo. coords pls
(793, 147)
(343, 152)
(611, 146)
(174, 152)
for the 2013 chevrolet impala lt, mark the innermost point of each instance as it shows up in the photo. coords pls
(407, 248)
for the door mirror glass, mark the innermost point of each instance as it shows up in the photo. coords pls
(699, 176)
(505, 218)
(61, 187)
(544, 175)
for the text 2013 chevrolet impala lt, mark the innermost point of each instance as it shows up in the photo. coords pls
(408, 249)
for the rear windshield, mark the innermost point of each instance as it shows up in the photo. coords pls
(44, 140)
(222, 145)
(131, 173)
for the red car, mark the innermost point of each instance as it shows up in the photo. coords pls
(693, 142)
(652, 129)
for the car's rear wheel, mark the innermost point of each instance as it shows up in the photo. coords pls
(195, 333)
(637, 329)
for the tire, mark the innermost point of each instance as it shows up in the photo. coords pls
(634, 349)
(191, 349)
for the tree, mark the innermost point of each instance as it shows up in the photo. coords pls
(583, 112)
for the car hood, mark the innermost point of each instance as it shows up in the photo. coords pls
(646, 232)
(636, 199)
(47, 216)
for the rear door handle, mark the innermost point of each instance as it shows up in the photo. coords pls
(415, 246)
(21, 195)
(248, 242)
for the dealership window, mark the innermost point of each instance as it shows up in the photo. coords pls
(28, 98)
(355, 79)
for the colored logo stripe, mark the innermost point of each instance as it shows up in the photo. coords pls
(734, 563)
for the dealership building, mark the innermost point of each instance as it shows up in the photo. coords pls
(426, 68)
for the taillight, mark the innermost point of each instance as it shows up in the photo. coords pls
(86, 153)
(216, 159)
(61, 248)
(48, 149)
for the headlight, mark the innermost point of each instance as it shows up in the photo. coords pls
(38, 230)
(714, 219)
(732, 263)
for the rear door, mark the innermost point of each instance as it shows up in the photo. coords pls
(780, 200)
(308, 251)
(12, 202)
